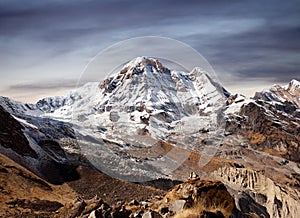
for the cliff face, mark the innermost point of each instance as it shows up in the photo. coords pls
(273, 132)
(254, 192)
(11, 135)
(263, 138)
(269, 129)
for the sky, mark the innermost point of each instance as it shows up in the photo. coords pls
(46, 45)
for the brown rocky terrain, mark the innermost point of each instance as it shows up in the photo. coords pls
(265, 134)
(269, 126)
(193, 198)
(263, 138)
(23, 194)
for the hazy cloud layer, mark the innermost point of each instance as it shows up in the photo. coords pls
(69, 84)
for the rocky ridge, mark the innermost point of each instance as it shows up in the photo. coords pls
(270, 121)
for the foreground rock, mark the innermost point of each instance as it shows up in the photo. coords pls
(193, 198)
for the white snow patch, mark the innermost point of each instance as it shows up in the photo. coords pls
(25, 122)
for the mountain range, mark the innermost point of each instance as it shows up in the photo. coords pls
(148, 124)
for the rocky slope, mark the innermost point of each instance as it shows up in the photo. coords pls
(193, 198)
(38, 148)
(23, 194)
(270, 121)
(268, 128)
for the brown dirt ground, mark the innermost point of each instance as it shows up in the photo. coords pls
(23, 194)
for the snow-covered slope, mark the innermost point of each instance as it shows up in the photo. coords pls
(281, 99)
(19, 108)
(143, 104)
(148, 96)
(143, 97)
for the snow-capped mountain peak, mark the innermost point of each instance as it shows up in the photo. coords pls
(294, 87)
(144, 62)
(280, 94)
(144, 96)
(294, 83)
(146, 80)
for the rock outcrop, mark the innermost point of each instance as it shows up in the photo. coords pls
(269, 126)
(193, 198)
(12, 136)
(255, 193)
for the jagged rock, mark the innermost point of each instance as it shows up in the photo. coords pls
(259, 194)
(133, 202)
(92, 205)
(270, 121)
(198, 194)
(120, 212)
(193, 175)
(194, 193)
(177, 205)
(95, 214)
(152, 214)
(72, 209)
(247, 204)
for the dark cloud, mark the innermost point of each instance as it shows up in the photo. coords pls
(269, 52)
(248, 39)
(101, 16)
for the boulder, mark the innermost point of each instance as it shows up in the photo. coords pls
(95, 214)
(177, 205)
(133, 203)
(152, 214)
